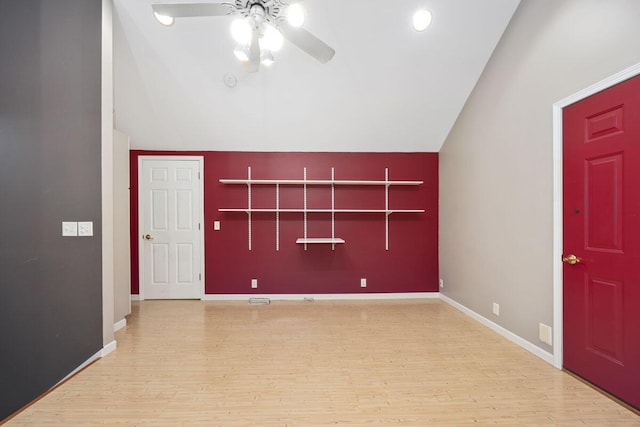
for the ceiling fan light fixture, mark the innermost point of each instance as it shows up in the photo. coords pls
(271, 38)
(165, 20)
(241, 31)
(261, 25)
(241, 52)
(295, 15)
(421, 20)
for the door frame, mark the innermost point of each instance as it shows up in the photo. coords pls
(558, 107)
(200, 160)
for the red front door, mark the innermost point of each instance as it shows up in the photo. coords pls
(601, 217)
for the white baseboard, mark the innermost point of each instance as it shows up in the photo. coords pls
(119, 325)
(318, 297)
(87, 362)
(542, 354)
(100, 354)
(135, 297)
(108, 348)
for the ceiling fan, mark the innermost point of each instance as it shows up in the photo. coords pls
(259, 29)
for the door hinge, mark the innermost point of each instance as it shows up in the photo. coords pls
(200, 276)
(198, 174)
(198, 226)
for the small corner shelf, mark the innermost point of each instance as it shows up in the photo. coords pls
(332, 183)
(330, 240)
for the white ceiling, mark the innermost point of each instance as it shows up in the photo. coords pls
(388, 88)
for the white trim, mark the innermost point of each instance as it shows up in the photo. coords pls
(106, 174)
(87, 362)
(98, 355)
(606, 83)
(537, 351)
(136, 297)
(108, 348)
(556, 262)
(301, 297)
(119, 325)
(200, 160)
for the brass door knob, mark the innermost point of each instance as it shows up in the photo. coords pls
(571, 259)
(148, 237)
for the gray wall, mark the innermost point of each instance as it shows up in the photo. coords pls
(496, 165)
(50, 141)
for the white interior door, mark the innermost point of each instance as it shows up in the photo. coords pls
(170, 192)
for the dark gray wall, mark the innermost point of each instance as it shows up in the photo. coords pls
(50, 139)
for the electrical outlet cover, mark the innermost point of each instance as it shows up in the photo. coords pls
(545, 333)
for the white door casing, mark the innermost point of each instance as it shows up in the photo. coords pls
(170, 200)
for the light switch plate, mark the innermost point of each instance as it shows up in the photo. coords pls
(216, 225)
(69, 228)
(85, 228)
(496, 309)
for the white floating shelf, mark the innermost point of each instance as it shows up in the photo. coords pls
(329, 240)
(315, 182)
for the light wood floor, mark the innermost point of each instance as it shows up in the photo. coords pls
(365, 363)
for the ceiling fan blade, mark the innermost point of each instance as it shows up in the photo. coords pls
(187, 10)
(253, 65)
(307, 42)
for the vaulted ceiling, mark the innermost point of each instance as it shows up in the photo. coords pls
(388, 87)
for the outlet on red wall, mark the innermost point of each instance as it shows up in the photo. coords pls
(409, 265)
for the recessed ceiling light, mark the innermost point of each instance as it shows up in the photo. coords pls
(421, 20)
(165, 20)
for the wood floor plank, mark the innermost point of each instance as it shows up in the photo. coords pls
(323, 363)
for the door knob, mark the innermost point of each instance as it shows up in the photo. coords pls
(571, 259)
(148, 237)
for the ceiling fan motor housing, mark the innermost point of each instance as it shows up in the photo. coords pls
(269, 10)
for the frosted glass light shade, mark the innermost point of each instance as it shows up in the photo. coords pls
(165, 20)
(271, 39)
(242, 53)
(266, 58)
(295, 15)
(241, 31)
(421, 20)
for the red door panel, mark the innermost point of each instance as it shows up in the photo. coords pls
(603, 178)
(601, 218)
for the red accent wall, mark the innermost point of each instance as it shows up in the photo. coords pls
(410, 264)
